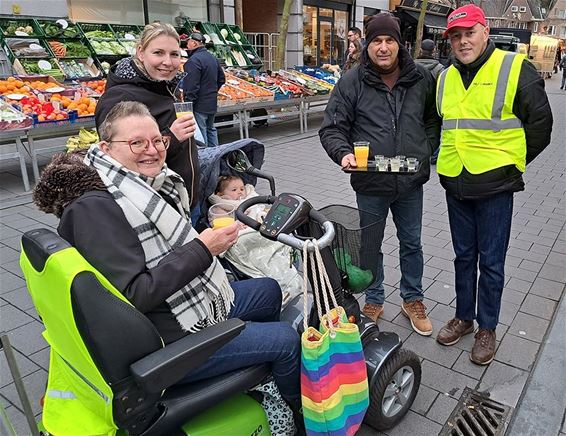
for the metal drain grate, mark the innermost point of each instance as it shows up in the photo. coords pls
(476, 415)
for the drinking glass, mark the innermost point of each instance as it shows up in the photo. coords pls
(395, 164)
(361, 152)
(221, 215)
(381, 163)
(411, 163)
(183, 108)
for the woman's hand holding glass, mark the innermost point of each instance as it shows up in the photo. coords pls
(184, 127)
(219, 240)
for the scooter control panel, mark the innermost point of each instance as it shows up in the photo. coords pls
(289, 211)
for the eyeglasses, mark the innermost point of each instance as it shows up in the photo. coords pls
(139, 146)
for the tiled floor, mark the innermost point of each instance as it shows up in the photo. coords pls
(535, 270)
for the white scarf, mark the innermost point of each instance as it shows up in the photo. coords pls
(206, 300)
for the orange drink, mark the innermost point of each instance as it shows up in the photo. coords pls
(183, 108)
(223, 221)
(221, 215)
(361, 152)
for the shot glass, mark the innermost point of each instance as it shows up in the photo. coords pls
(382, 163)
(411, 164)
(402, 162)
(361, 152)
(395, 164)
(221, 215)
(183, 108)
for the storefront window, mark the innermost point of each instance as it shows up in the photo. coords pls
(324, 35)
(194, 10)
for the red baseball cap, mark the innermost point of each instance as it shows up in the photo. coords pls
(466, 16)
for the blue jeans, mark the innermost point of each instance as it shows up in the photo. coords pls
(407, 211)
(563, 84)
(480, 236)
(265, 339)
(205, 123)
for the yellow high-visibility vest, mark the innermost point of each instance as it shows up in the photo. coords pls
(479, 130)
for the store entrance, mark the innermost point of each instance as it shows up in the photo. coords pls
(325, 32)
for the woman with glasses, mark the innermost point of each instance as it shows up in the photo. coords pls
(152, 77)
(127, 213)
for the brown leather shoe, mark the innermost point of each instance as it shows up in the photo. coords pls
(373, 311)
(483, 351)
(416, 312)
(453, 331)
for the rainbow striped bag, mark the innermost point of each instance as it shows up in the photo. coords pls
(334, 385)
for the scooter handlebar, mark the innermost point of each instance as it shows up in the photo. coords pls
(246, 204)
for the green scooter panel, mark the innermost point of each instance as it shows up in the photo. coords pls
(238, 416)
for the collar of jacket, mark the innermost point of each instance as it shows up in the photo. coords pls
(408, 76)
(478, 63)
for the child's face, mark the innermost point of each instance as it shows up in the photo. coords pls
(235, 190)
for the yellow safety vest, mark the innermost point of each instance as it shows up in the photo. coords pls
(479, 130)
(78, 401)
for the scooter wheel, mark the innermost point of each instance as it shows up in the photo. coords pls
(394, 390)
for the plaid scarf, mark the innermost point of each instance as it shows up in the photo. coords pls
(206, 300)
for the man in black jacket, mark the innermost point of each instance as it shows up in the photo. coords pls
(204, 78)
(496, 119)
(387, 100)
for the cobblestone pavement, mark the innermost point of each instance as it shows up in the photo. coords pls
(535, 276)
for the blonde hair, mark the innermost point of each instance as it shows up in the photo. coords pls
(155, 29)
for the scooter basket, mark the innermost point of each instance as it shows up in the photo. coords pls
(356, 245)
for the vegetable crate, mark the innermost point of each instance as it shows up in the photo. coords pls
(127, 31)
(53, 29)
(97, 30)
(18, 27)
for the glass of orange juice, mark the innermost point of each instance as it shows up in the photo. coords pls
(183, 108)
(221, 215)
(361, 152)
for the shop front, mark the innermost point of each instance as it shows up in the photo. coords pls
(325, 30)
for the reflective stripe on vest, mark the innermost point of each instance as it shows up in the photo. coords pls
(479, 129)
(63, 395)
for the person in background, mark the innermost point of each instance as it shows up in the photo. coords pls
(562, 66)
(387, 100)
(204, 78)
(427, 59)
(354, 54)
(496, 119)
(152, 77)
(354, 34)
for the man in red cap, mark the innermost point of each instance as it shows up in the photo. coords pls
(388, 101)
(495, 119)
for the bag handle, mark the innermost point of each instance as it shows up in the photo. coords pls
(317, 266)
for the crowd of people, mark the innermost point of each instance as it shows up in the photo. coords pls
(134, 190)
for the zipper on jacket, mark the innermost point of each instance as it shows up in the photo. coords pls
(192, 170)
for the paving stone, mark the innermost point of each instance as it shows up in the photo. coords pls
(547, 288)
(517, 352)
(13, 243)
(430, 271)
(387, 326)
(512, 296)
(19, 298)
(530, 265)
(465, 366)
(526, 254)
(520, 273)
(529, 327)
(27, 338)
(522, 244)
(552, 272)
(366, 430)
(8, 232)
(415, 424)
(518, 284)
(35, 387)
(507, 312)
(541, 249)
(445, 277)
(428, 348)
(9, 282)
(538, 306)
(442, 408)
(18, 421)
(556, 259)
(512, 261)
(445, 380)
(441, 292)
(11, 318)
(442, 313)
(25, 366)
(14, 268)
(504, 383)
(424, 399)
(41, 358)
(8, 254)
(446, 253)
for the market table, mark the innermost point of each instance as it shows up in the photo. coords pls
(276, 104)
(308, 102)
(15, 137)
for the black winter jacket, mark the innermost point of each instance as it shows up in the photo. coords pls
(96, 226)
(158, 97)
(204, 78)
(401, 121)
(531, 106)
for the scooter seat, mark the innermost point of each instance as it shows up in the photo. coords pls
(180, 403)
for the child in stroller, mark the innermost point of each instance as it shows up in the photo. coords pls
(254, 255)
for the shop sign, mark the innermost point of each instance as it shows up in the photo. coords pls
(430, 7)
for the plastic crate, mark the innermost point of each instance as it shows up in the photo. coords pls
(62, 34)
(67, 43)
(121, 30)
(236, 29)
(92, 27)
(14, 48)
(7, 23)
(355, 247)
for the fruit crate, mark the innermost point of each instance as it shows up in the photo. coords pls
(130, 32)
(97, 31)
(26, 48)
(81, 69)
(55, 29)
(9, 26)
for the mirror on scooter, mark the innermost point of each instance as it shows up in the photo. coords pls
(239, 162)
